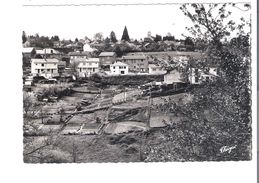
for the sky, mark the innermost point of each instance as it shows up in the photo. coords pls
(78, 22)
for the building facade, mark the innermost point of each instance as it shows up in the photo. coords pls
(87, 67)
(74, 56)
(47, 68)
(107, 58)
(136, 62)
(156, 69)
(119, 68)
(48, 53)
(197, 76)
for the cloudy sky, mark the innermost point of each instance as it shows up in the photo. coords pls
(77, 22)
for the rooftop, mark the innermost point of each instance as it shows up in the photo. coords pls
(42, 60)
(87, 59)
(84, 53)
(134, 56)
(47, 51)
(107, 54)
(119, 64)
(27, 50)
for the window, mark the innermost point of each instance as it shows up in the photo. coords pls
(113, 67)
(154, 69)
(42, 65)
(84, 63)
(48, 70)
(196, 79)
(41, 70)
(196, 71)
(218, 71)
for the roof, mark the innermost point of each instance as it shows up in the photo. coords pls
(27, 50)
(173, 76)
(154, 65)
(88, 60)
(47, 51)
(41, 60)
(133, 57)
(84, 53)
(107, 54)
(119, 64)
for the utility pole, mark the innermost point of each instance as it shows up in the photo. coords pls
(149, 106)
(41, 114)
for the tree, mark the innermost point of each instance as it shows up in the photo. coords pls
(76, 40)
(24, 37)
(220, 110)
(125, 35)
(74, 66)
(229, 96)
(113, 37)
(98, 37)
(107, 40)
(158, 38)
(213, 28)
(54, 38)
(188, 42)
(169, 37)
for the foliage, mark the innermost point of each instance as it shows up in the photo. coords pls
(113, 37)
(220, 112)
(125, 35)
(98, 37)
(54, 38)
(158, 38)
(24, 37)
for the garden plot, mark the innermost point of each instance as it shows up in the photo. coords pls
(71, 129)
(90, 128)
(81, 118)
(48, 129)
(125, 127)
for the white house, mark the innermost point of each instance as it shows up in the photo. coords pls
(87, 48)
(87, 67)
(156, 69)
(119, 68)
(197, 76)
(78, 55)
(172, 77)
(47, 51)
(44, 67)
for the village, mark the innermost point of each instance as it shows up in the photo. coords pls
(87, 91)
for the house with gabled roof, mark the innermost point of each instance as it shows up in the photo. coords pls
(137, 62)
(107, 58)
(47, 68)
(119, 68)
(87, 66)
(74, 56)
